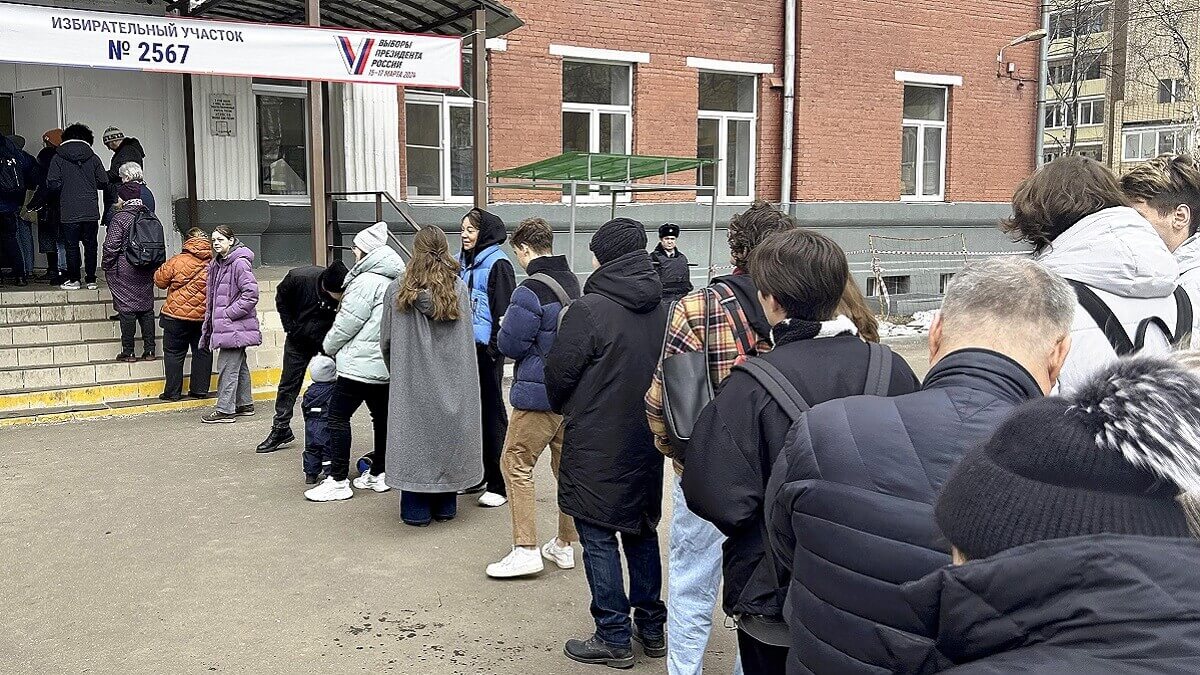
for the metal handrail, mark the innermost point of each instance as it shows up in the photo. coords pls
(334, 223)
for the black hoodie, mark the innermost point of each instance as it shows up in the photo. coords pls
(597, 374)
(76, 173)
(130, 150)
(503, 278)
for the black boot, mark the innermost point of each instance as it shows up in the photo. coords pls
(279, 437)
(598, 652)
(655, 647)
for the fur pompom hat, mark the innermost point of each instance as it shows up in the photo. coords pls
(1112, 458)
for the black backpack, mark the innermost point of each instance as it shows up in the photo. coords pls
(1115, 333)
(12, 178)
(147, 244)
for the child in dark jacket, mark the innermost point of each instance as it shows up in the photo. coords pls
(316, 417)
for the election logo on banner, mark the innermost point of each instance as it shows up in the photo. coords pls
(356, 62)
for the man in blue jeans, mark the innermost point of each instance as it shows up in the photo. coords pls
(611, 475)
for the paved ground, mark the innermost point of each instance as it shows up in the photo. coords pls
(155, 544)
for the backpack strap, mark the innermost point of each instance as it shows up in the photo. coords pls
(737, 318)
(879, 370)
(555, 287)
(1114, 332)
(1183, 316)
(777, 386)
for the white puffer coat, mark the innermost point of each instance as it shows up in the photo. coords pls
(1117, 253)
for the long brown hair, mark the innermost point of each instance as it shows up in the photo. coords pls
(854, 306)
(1059, 195)
(431, 269)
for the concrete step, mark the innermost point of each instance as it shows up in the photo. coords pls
(96, 350)
(78, 330)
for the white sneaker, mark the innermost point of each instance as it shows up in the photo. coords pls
(491, 500)
(330, 490)
(368, 482)
(92, 286)
(71, 286)
(519, 562)
(563, 556)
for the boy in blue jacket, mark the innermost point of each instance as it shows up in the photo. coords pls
(526, 336)
(316, 417)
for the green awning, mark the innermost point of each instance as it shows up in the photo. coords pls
(601, 168)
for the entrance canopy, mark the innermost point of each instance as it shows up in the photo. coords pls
(576, 172)
(445, 17)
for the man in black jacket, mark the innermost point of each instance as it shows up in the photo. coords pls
(125, 149)
(611, 475)
(800, 276)
(1080, 555)
(76, 174)
(850, 501)
(672, 264)
(307, 300)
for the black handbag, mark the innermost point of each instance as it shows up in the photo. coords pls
(687, 388)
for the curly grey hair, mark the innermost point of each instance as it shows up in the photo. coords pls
(130, 171)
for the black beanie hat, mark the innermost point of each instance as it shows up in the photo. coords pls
(334, 277)
(616, 238)
(1111, 458)
(668, 230)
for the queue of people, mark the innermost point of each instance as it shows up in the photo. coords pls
(1031, 506)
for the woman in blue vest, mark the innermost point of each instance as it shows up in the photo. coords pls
(489, 275)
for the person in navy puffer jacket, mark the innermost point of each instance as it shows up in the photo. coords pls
(526, 336)
(316, 417)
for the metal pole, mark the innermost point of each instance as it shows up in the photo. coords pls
(378, 206)
(712, 232)
(613, 215)
(789, 102)
(574, 189)
(316, 154)
(189, 143)
(1043, 76)
(480, 121)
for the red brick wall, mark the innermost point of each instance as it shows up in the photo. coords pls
(850, 105)
(848, 100)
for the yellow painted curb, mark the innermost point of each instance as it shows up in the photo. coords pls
(264, 382)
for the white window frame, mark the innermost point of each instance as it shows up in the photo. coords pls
(1158, 132)
(1178, 90)
(444, 102)
(285, 91)
(723, 118)
(594, 111)
(921, 126)
(1079, 104)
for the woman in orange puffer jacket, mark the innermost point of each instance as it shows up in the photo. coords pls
(185, 277)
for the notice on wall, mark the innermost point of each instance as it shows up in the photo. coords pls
(222, 115)
(94, 39)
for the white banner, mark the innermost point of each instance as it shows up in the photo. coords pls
(93, 39)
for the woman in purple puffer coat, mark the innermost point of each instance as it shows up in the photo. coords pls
(231, 324)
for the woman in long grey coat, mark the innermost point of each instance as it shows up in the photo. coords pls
(434, 445)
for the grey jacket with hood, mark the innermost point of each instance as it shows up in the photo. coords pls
(353, 340)
(1117, 253)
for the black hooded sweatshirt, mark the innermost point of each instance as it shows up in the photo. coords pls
(76, 173)
(503, 279)
(597, 374)
(130, 150)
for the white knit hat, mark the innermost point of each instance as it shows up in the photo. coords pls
(113, 134)
(323, 369)
(372, 238)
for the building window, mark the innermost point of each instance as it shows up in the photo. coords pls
(944, 281)
(895, 286)
(1092, 150)
(1172, 91)
(597, 109)
(282, 122)
(1149, 143)
(725, 132)
(1087, 21)
(439, 140)
(1089, 67)
(1090, 112)
(438, 136)
(923, 143)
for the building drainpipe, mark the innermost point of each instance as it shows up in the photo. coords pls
(789, 99)
(1043, 76)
